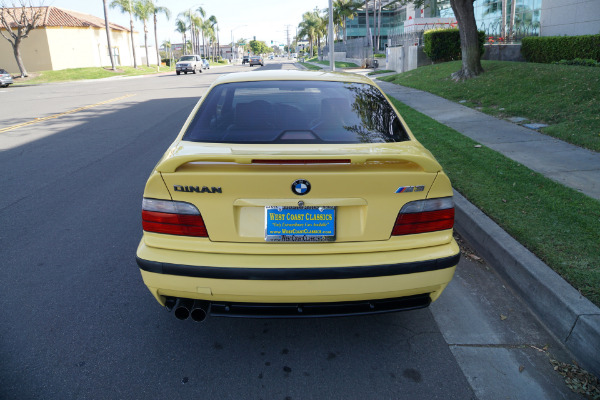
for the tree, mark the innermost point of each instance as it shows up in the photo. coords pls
(143, 9)
(156, 10)
(346, 9)
(189, 14)
(308, 28)
(215, 32)
(126, 6)
(107, 27)
(181, 27)
(259, 47)
(24, 19)
(469, 40)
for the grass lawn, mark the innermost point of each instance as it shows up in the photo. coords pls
(566, 97)
(73, 74)
(558, 224)
(338, 64)
(311, 67)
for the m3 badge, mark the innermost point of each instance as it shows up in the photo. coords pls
(408, 189)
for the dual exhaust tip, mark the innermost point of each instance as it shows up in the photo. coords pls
(185, 308)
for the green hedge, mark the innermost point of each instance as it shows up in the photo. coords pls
(549, 49)
(443, 45)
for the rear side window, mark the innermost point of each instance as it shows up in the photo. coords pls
(295, 112)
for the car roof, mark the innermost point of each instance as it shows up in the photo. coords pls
(292, 75)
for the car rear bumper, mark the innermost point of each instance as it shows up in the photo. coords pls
(346, 278)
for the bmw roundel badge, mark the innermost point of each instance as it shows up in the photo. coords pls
(300, 187)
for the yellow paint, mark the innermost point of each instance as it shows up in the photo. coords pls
(362, 192)
(35, 121)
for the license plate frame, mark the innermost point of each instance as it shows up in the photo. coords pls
(300, 224)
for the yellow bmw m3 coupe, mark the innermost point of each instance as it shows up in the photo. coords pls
(296, 194)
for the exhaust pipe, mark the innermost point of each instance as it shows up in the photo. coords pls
(200, 310)
(182, 308)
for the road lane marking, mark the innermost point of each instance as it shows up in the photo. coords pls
(35, 121)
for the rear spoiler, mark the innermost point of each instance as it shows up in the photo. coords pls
(411, 154)
(421, 162)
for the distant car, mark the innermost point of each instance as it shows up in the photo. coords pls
(295, 194)
(245, 59)
(5, 78)
(205, 64)
(271, 57)
(190, 63)
(257, 60)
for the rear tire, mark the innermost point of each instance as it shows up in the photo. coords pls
(178, 72)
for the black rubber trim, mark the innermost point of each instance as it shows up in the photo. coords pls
(316, 310)
(286, 274)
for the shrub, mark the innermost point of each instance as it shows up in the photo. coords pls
(585, 62)
(444, 44)
(549, 49)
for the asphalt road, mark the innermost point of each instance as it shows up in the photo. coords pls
(77, 321)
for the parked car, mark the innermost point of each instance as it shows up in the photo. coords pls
(205, 64)
(5, 78)
(295, 194)
(245, 59)
(190, 63)
(257, 60)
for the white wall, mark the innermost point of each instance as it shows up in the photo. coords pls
(570, 17)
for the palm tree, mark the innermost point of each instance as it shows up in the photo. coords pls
(188, 15)
(106, 25)
(308, 28)
(213, 22)
(156, 10)
(207, 32)
(200, 21)
(126, 6)
(343, 10)
(321, 28)
(181, 27)
(143, 9)
(196, 22)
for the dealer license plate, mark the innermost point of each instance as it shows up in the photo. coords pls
(299, 224)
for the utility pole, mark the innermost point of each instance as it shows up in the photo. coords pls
(287, 32)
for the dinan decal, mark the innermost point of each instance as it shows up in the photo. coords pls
(197, 189)
(408, 189)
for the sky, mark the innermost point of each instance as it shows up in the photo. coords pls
(265, 19)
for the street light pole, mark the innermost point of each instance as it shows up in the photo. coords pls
(330, 39)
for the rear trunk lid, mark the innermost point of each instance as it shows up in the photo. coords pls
(236, 187)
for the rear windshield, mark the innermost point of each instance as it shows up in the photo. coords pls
(295, 112)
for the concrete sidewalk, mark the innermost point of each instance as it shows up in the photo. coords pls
(572, 318)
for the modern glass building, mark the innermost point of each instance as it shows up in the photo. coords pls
(505, 19)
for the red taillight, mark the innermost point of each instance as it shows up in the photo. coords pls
(172, 218)
(425, 216)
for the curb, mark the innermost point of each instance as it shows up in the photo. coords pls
(573, 319)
